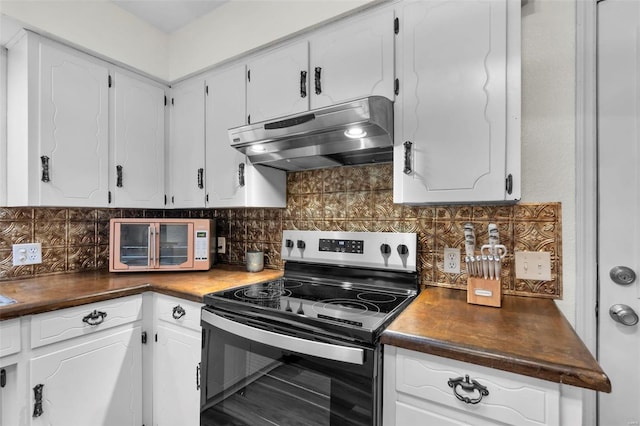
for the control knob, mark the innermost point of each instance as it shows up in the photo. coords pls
(301, 244)
(385, 249)
(288, 243)
(403, 250)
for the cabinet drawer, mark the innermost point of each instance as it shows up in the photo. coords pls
(10, 341)
(64, 324)
(510, 398)
(178, 311)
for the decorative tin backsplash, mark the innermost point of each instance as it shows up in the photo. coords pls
(343, 198)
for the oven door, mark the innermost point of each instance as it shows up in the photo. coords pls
(257, 376)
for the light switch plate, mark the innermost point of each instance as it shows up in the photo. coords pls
(533, 265)
(222, 245)
(27, 254)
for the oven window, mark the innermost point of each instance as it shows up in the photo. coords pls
(248, 383)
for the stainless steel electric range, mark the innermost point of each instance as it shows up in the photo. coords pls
(304, 349)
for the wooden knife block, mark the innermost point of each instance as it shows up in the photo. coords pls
(484, 292)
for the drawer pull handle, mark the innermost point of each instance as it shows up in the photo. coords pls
(468, 386)
(178, 312)
(37, 400)
(95, 317)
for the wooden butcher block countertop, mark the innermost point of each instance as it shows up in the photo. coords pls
(48, 293)
(527, 335)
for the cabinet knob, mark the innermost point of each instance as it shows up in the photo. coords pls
(37, 400)
(303, 84)
(119, 176)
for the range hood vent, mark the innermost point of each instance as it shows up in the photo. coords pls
(356, 132)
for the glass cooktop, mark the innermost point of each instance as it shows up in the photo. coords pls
(342, 305)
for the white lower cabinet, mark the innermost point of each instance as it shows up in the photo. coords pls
(85, 365)
(10, 371)
(98, 381)
(426, 389)
(176, 378)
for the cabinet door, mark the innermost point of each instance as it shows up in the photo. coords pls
(74, 129)
(137, 169)
(353, 60)
(232, 181)
(452, 63)
(176, 382)
(225, 109)
(10, 403)
(275, 83)
(95, 382)
(187, 145)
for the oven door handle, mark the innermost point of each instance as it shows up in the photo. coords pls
(282, 341)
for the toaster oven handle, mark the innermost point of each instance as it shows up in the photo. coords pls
(283, 341)
(151, 241)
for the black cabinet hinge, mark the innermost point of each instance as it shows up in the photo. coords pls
(249, 75)
(165, 100)
(206, 90)
(144, 337)
(109, 197)
(509, 184)
(165, 199)
(3, 378)
(110, 82)
(249, 119)
(156, 337)
(396, 87)
(396, 25)
(172, 103)
(206, 198)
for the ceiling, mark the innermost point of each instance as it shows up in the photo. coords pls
(169, 15)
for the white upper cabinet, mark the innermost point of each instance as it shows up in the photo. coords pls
(231, 180)
(277, 82)
(347, 60)
(137, 170)
(353, 59)
(457, 132)
(186, 147)
(58, 121)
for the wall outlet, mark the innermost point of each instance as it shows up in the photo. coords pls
(222, 245)
(27, 254)
(533, 265)
(451, 260)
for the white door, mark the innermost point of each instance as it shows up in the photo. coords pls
(277, 81)
(619, 201)
(225, 109)
(137, 174)
(73, 129)
(354, 60)
(176, 380)
(451, 124)
(187, 145)
(98, 382)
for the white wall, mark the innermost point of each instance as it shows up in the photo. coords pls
(548, 121)
(98, 26)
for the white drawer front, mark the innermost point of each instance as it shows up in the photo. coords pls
(512, 398)
(55, 326)
(9, 337)
(178, 311)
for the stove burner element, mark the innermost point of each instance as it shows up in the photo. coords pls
(376, 297)
(271, 291)
(346, 307)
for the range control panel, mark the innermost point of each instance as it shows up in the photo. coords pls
(341, 246)
(388, 250)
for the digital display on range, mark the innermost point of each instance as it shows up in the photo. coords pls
(341, 246)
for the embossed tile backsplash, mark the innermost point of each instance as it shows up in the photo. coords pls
(343, 199)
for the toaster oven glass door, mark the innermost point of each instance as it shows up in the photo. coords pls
(135, 244)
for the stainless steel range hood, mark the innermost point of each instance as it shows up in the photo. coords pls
(355, 132)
